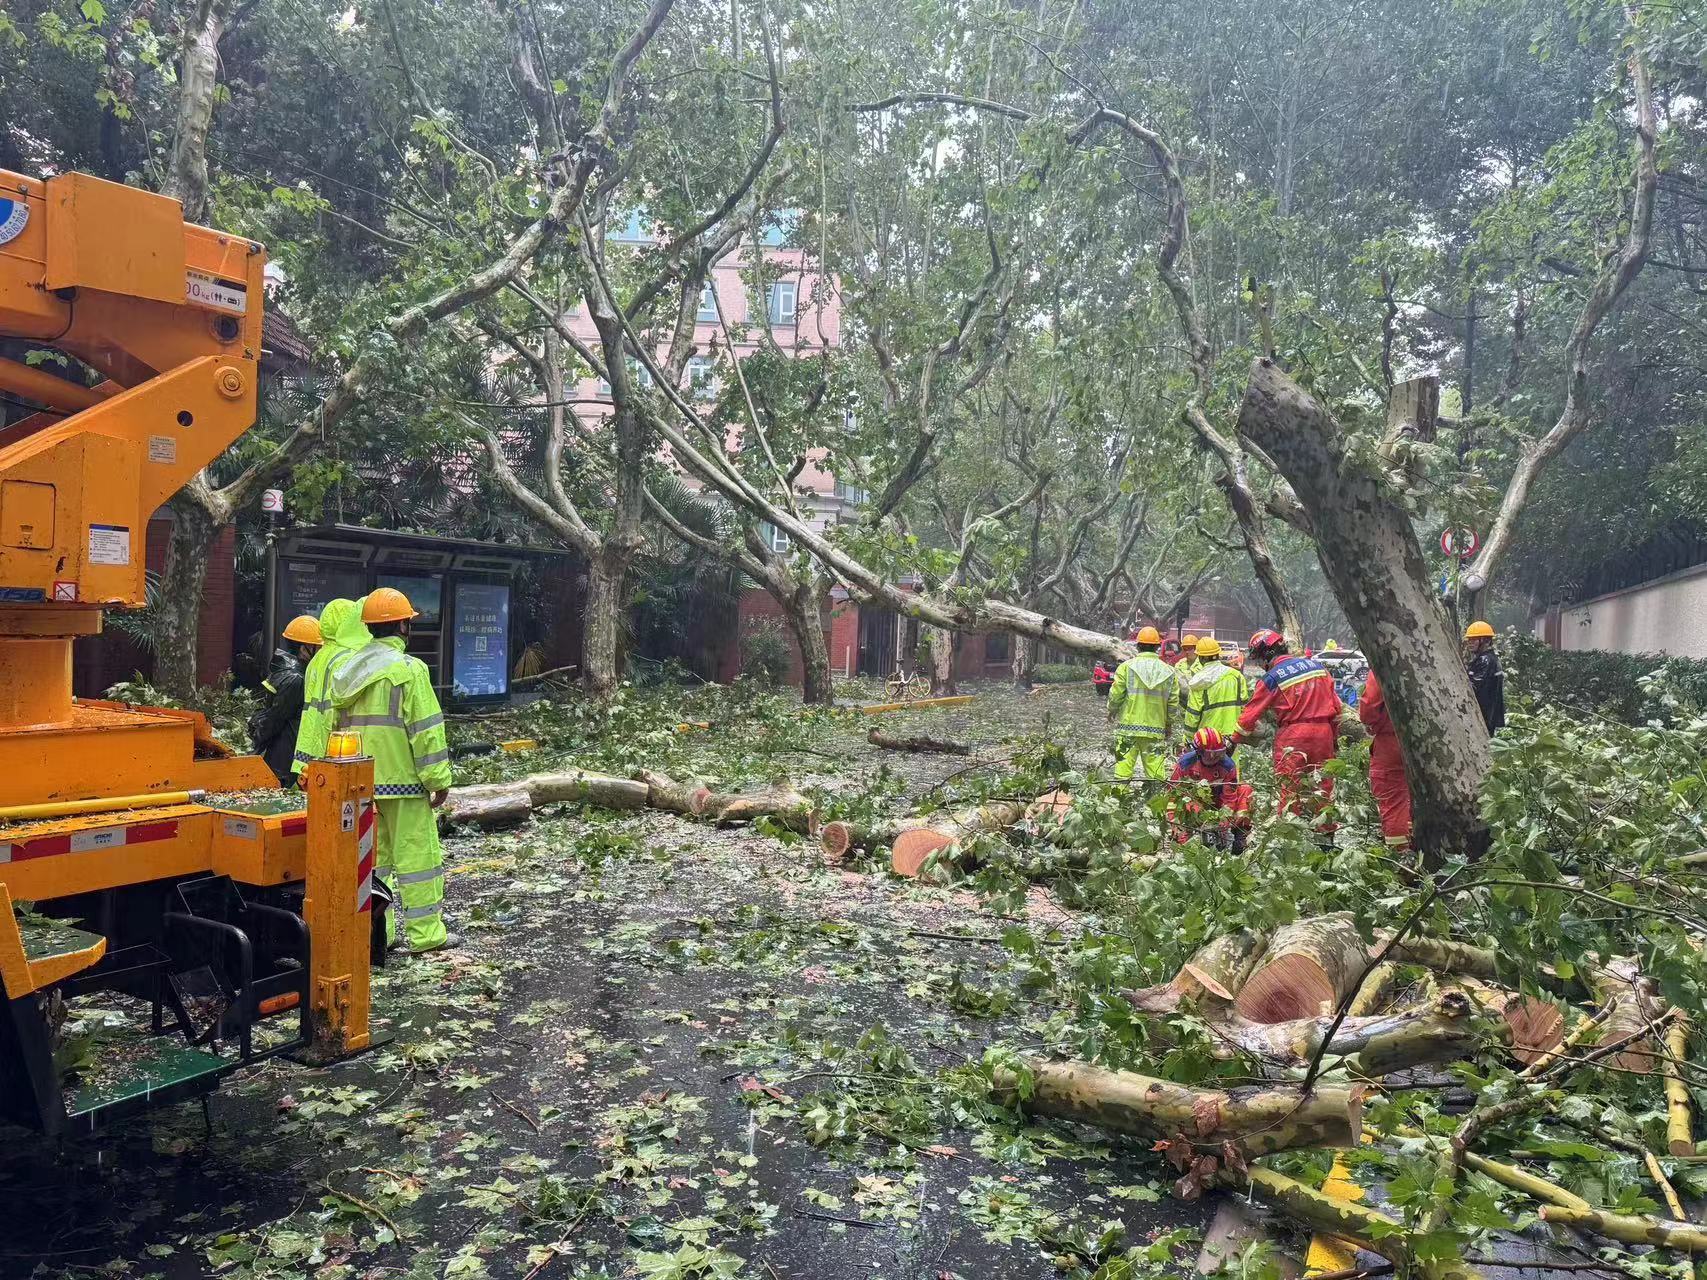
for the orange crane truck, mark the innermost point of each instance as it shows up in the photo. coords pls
(130, 863)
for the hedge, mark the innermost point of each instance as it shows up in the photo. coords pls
(1632, 688)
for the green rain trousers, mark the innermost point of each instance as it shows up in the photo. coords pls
(1214, 696)
(342, 633)
(387, 696)
(1144, 703)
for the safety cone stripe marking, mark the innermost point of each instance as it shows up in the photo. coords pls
(88, 841)
(364, 849)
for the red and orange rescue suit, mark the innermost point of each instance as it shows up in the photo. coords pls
(1230, 797)
(1300, 693)
(1386, 766)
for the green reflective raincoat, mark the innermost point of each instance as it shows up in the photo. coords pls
(342, 633)
(387, 697)
(1214, 696)
(1144, 702)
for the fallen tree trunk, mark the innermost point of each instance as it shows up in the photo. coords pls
(1633, 1003)
(1444, 1032)
(917, 742)
(1679, 1140)
(912, 847)
(1629, 1229)
(1251, 1121)
(601, 789)
(489, 808)
(782, 805)
(839, 838)
(664, 792)
(1309, 967)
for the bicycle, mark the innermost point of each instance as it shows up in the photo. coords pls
(902, 687)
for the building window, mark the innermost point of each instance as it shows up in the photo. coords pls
(707, 305)
(783, 299)
(996, 647)
(702, 378)
(639, 377)
(780, 228)
(851, 494)
(633, 228)
(776, 539)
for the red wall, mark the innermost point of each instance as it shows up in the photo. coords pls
(757, 605)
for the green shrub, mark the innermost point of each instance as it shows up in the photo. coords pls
(766, 653)
(1062, 672)
(1630, 688)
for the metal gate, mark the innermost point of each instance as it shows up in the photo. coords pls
(877, 628)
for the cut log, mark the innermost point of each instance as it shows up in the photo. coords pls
(1309, 967)
(1630, 1229)
(489, 808)
(1254, 1121)
(1680, 1141)
(1050, 807)
(912, 848)
(1217, 970)
(664, 792)
(1442, 955)
(782, 805)
(1633, 1002)
(919, 742)
(600, 789)
(1450, 1029)
(1537, 1026)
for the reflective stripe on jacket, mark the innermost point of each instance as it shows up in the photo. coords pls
(1295, 690)
(1214, 696)
(387, 696)
(1145, 696)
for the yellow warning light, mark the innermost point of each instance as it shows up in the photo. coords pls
(345, 744)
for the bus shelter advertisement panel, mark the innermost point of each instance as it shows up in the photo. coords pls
(480, 649)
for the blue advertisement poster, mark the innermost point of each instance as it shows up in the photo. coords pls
(480, 640)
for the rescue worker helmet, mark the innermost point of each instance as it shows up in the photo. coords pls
(1208, 647)
(304, 630)
(1209, 740)
(387, 604)
(1267, 641)
(1478, 630)
(1148, 635)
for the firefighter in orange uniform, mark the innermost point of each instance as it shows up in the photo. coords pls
(1300, 694)
(1386, 766)
(1209, 761)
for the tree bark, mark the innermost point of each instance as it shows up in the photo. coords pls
(806, 620)
(602, 622)
(917, 742)
(198, 82)
(1370, 555)
(180, 598)
(1024, 661)
(941, 646)
(1308, 967)
(1682, 1236)
(912, 847)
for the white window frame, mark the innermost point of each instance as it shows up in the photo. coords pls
(702, 378)
(777, 539)
(780, 289)
(707, 314)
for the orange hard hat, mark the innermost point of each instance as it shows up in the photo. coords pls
(304, 630)
(1478, 631)
(387, 604)
(1149, 635)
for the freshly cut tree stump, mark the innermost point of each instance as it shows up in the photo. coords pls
(1309, 967)
(1257, 1120)
(911, 848)
(487, 807)
(919, 743)
(1217, 970)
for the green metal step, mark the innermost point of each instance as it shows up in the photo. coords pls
(151, 1069)
(46, 938)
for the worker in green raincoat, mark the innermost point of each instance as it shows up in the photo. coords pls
(387, 696)
(1215, 693)
(1144, 703)
(342, 633)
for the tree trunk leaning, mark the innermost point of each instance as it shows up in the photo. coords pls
(1256, 1120)
(1368, 549)
(1308, 968)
